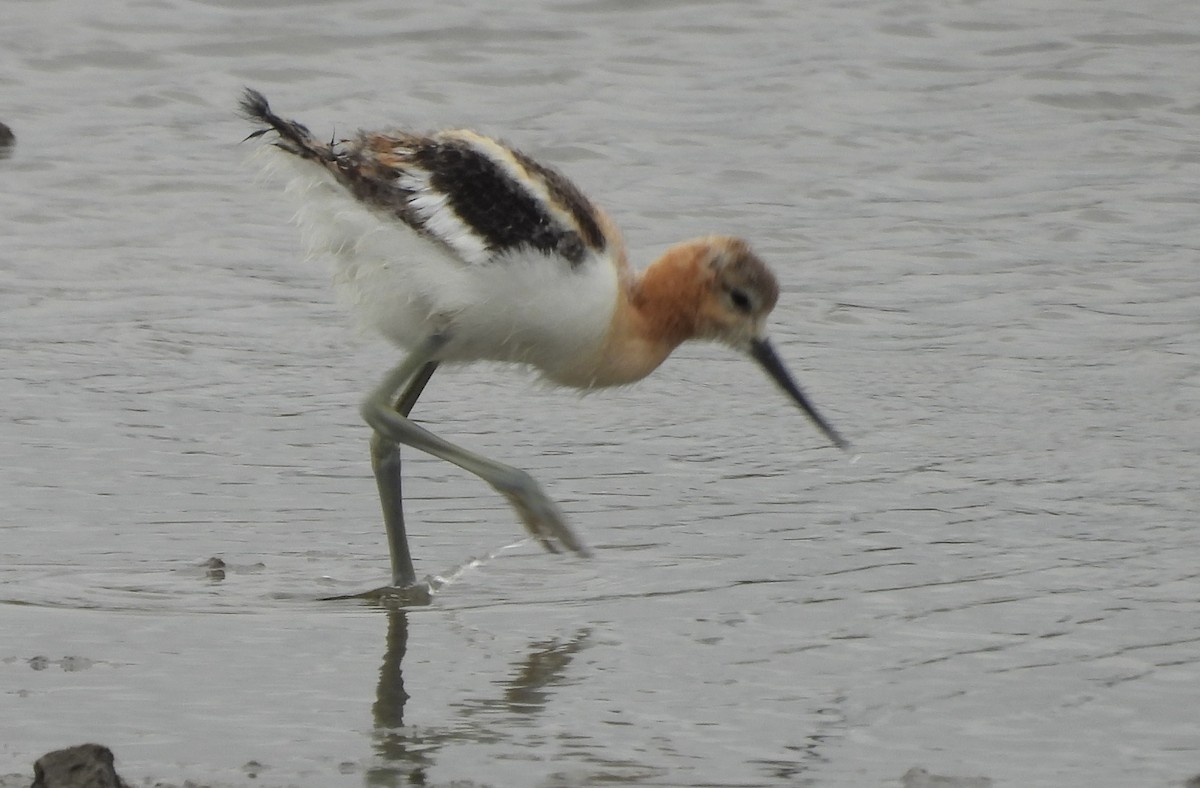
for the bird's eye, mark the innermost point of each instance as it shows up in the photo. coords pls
(740, 299)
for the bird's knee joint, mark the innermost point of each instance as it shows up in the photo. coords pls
(373, 415)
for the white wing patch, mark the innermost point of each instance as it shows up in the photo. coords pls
(440, 220)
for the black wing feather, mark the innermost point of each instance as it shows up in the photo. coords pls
(483, 193)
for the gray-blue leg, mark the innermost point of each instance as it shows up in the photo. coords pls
(540, 515)
(385, 460)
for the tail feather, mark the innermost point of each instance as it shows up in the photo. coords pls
(293, 137)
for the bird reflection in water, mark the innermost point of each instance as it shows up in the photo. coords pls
(405, 752)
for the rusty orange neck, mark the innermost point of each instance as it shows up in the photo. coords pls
(658, 310)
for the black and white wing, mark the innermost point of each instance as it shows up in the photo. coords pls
(476, 196)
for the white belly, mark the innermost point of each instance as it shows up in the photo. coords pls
(528, 308)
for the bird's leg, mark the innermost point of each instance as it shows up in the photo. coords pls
(385, 460)
(540, 515)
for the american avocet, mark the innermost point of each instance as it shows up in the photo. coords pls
(458, 248)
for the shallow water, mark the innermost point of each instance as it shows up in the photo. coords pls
(984, 218)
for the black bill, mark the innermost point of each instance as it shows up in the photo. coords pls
(764, 354)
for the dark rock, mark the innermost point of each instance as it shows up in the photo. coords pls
(84, 766)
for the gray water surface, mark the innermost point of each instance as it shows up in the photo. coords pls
(984, 218)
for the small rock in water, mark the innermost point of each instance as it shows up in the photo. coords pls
(84, 766)
(214, 568)
(7, 141)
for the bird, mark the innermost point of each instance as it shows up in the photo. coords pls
(459, 248)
